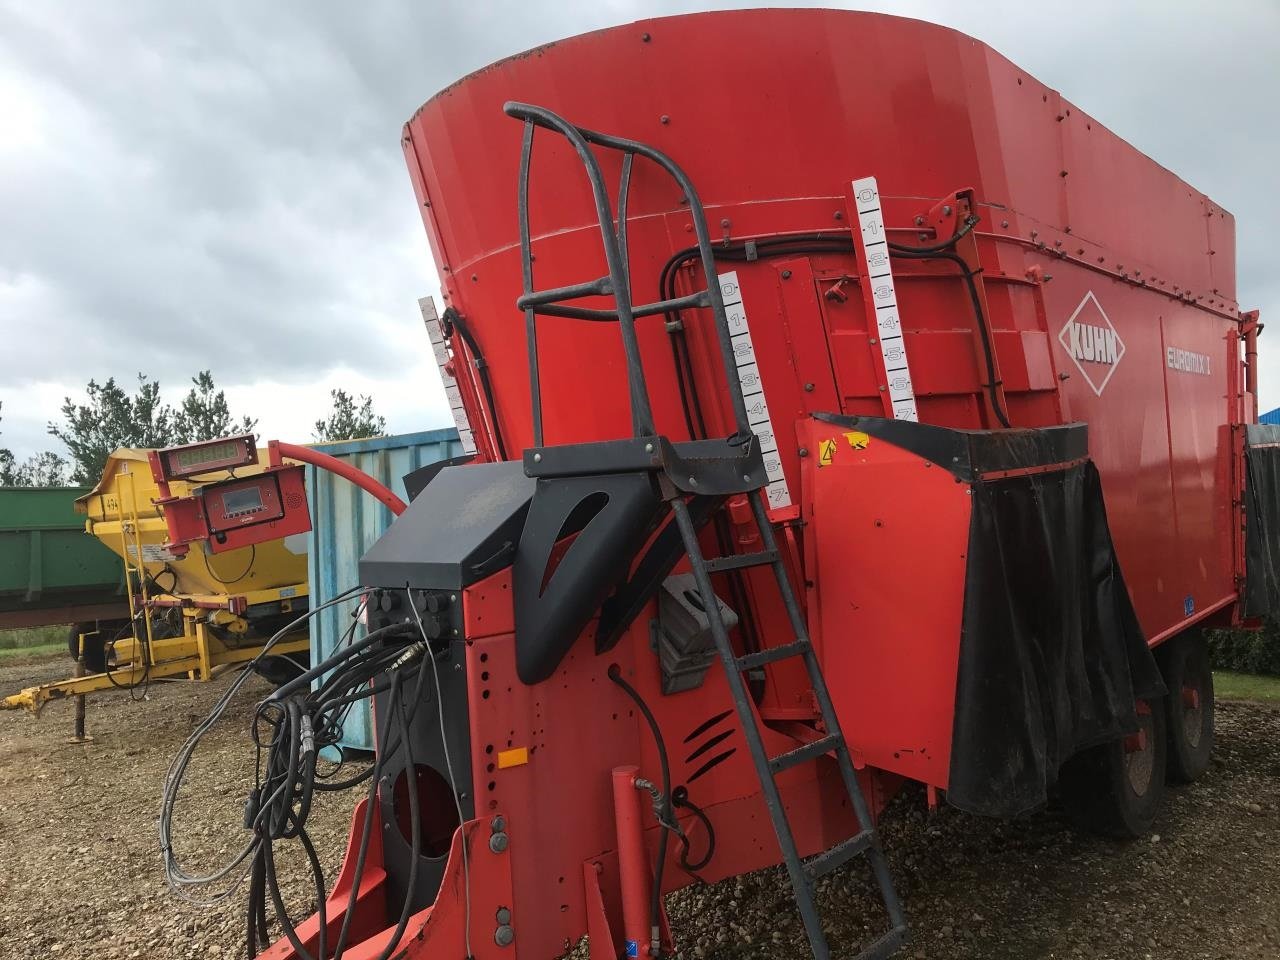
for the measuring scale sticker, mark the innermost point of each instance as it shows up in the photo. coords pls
(744, 354)
(884, 299)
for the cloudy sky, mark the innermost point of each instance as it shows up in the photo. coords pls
(221, 185)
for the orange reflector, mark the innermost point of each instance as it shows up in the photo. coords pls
(513, 758)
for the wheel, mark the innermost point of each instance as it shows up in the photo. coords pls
(95, 646)
(1115, 788)
(278, 671)
(1189, 705)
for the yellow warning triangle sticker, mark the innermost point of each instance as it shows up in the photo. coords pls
(826, 452)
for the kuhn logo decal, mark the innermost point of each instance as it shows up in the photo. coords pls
(1093, 344)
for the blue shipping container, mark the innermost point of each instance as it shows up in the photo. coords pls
(345, 522)
(1271, 416)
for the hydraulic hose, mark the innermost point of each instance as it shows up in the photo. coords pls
(452, 318)
(988, 350)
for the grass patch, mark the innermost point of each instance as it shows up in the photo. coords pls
(34, 651)
(22, 638)
(1245, 686)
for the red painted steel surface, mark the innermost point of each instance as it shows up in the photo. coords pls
(633, 865)
(773, 113)
(1109, 285)
(578, 726)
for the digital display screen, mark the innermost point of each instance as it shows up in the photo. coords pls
(203, 457)
(244, 500)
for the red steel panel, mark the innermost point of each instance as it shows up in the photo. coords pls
(1059, 196)
(889, 597)
(578, 726)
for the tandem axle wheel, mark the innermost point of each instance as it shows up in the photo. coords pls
(1184, 661)
(1115, 788)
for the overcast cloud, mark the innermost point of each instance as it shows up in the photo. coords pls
(221, 185)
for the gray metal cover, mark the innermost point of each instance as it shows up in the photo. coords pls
(468, 519)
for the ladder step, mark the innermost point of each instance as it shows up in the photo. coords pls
(739, 560)
(839, 855)
(809, 751)
(753, 660)
(885, 947)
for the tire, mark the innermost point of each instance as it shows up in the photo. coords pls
(95, 647)
(1189, 705)
(278, 671)
(1114, 789)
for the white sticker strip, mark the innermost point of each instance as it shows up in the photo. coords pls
(744, 353)
(884, 299)
(435, 333)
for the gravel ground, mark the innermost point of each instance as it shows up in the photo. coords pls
(80, 873)
(80, 868)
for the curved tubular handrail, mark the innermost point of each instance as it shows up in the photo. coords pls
(343, 469)
(582, 139)
(641, 409)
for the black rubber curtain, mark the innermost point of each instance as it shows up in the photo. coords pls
(1051, 656)
(1262, 521)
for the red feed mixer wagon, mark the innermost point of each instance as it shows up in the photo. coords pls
(850, 411)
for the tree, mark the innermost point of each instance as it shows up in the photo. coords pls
(6, 465)
(111, 418)
(45, 469)
(352, 418)
(203, 414)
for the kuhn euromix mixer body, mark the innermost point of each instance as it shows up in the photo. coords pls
(850, 410)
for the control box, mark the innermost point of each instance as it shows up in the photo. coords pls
(242, 503)
(236, 513)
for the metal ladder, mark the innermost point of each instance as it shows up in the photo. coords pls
(803, 873)
(698, 472)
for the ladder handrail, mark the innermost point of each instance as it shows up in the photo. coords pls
(641, 409)
(614, 235)
(132, 526)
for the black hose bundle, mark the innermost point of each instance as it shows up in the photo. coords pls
(300, 722)
(290, 730)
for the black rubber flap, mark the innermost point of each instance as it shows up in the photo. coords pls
(415, 481)
(1052, 655)
(609, 516)
(1262, 520)
(969, 454)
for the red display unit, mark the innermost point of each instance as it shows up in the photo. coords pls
(207, 456)
(243, 503)
(237, 513)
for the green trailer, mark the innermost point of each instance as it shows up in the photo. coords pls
(51, 570)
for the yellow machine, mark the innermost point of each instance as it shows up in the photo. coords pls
(191, 610)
